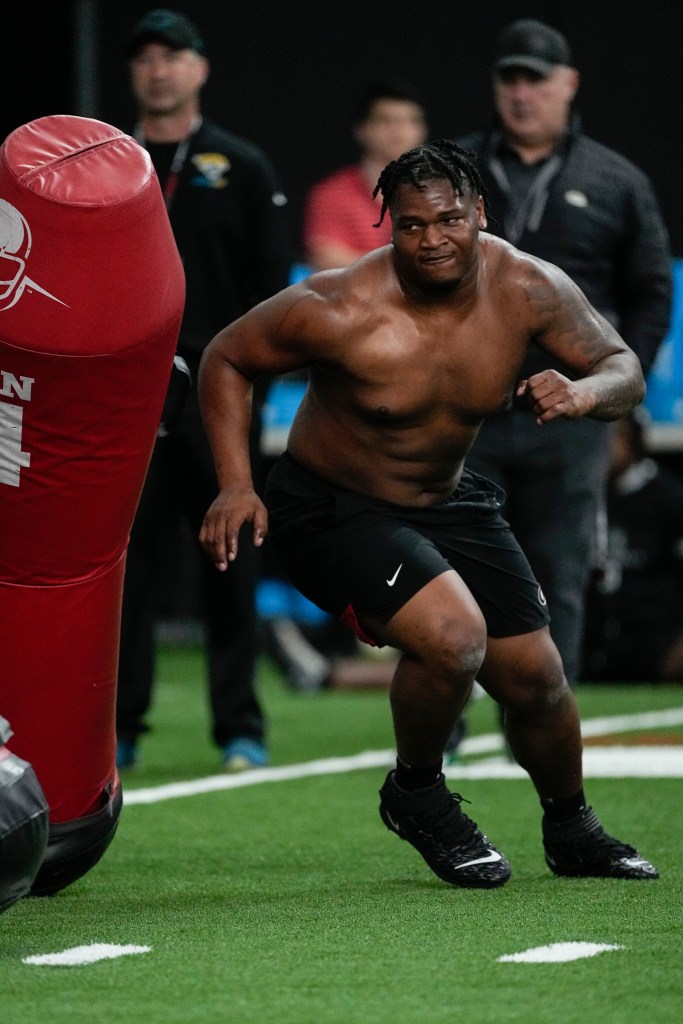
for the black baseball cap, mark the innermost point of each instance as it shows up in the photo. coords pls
(534, 45)
(164, 26)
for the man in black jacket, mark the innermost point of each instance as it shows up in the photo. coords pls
(563, 197)
(227, 211)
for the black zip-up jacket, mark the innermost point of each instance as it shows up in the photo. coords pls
(597, 217)
(229, 219)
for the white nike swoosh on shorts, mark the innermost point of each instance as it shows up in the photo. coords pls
(393, 579)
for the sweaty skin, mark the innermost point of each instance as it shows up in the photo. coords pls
(409, 350)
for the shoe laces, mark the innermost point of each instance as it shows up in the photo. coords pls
(610, 845)
(444, 821)
(587, 830)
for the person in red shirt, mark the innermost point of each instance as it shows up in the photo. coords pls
(340, 213)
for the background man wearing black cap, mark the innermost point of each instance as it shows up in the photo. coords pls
(563, 197)
(227, 212)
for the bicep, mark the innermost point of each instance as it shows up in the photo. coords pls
(568, 327)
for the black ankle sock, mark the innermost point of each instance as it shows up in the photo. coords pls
(409, 777)
(563, 808)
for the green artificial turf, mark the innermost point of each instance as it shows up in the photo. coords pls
(289, 902)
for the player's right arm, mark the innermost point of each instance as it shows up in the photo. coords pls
(273, 339)
(607, 380)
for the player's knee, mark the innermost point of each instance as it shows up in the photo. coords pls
(458, 646)
(23, 827)
(524, 673)
(538, 685)
(74, 847)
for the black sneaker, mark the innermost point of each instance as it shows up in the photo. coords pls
(431, 820)
(580, 848)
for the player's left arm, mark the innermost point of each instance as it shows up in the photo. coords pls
(605, 379)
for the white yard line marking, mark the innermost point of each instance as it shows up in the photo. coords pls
(591, 727)
(79, 955)
(627, 723)
(325, 766)
(558, 952)
(598, 763)
(607, 762)
(633, 762)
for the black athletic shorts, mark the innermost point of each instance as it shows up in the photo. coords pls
(354, 555)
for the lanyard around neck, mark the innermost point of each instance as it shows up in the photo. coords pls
(178, 162)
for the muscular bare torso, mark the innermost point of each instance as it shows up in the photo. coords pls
(397, 397)
(408, 351)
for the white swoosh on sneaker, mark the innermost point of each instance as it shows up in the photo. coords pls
(391, 821)
(490, 858)
(393, 579)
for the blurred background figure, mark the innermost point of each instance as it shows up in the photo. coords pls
(634, 620)
(227, 211)
(339, 212)
(559, 195)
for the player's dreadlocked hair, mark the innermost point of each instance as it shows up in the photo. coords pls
(440, 159)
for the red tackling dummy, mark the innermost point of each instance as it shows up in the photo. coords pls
(91, 296)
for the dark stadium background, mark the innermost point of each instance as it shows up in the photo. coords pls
(285, 74)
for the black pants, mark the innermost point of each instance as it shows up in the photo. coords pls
(181, 482)
(554, 477)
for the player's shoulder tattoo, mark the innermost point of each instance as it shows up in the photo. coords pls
(559, 306)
